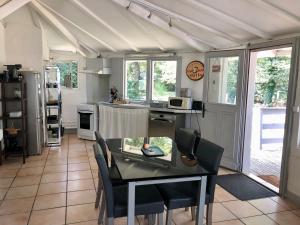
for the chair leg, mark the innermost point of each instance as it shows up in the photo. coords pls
(160, 219)
(102, 210)
(193, 212)
(209, 211)
(169, 217)
(109, 221)
(99, 192)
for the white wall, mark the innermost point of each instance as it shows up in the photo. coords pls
(23, 40)
(72, 97)
(2, 47)
(196, 86)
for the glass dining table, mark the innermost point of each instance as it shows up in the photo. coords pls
(154, 160)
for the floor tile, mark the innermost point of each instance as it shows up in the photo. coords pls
(80, 159)
(5, 182)
(230, 222)
(220, 213)
(285, 218)
(15, 219)
(259, 220)
(53, 177)
(13, 206)
(2, 193)
(54, 216)
(286, 203)
(77, 175)
(50, 201)
(26, 181)
(297, 212)
(91, 222)
(242, 209)
(22, 192)
(80, 213)
(78, 166)
(52, 188)
(81, 197)
(55, 169)
(30, 171)
(267, 205)
(223, 196)
(53, 162)
(180, 216)
(79, 185)
(37, 163)
(8, 173)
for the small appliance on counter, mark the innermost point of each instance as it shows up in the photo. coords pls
(180, 103)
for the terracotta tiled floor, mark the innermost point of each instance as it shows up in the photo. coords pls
(58, 187)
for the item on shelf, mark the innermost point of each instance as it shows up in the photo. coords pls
(114, 95)
(13, 71)
(12, 131)
(15, 114)
(17, 93)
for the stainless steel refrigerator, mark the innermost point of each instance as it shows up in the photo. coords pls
(35, 111)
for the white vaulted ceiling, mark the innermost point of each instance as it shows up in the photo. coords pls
(164, 25)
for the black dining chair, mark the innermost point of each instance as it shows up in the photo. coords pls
(187, 141)
(148, 199)
(184, 194)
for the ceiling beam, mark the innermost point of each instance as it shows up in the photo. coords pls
(52, 19)
(101, 21)
(156, 20)
(277, 10)
(232, 20)
(146, 31)
(11, 7)
(187, 19)
(79, 27)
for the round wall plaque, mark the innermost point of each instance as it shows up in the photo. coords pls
(195, 70)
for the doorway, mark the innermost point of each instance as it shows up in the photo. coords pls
(268, 85)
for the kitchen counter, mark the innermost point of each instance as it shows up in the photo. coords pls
(140, 106)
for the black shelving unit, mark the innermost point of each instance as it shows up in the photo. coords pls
(14, 144)
(53, 106)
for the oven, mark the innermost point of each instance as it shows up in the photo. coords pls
(87, 121)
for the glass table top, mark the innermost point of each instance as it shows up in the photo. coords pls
(133, 164)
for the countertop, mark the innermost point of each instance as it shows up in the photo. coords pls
(152, 109)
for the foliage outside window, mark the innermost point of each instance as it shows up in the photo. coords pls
(136, 80)
(162, 78)
(272, 80)
(68, 68)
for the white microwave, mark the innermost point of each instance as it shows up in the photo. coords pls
(180, 103)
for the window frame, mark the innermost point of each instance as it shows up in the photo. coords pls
(68, 61)
(150, 75)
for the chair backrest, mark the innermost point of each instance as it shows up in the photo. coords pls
(105, 179)
(209, 156)
(100, 140)
(187, 140)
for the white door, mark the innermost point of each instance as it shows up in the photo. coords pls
(223, 100)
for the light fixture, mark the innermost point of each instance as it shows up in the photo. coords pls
(150, 14)
(170, 22)
(127, 7)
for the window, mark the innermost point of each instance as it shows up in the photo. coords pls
(136, 80)
(163, 80)
(145, 83)
(67, 68)
(222, 84)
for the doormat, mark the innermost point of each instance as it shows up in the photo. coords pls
(243, 187)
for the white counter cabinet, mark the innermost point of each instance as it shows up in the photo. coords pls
(120, 122)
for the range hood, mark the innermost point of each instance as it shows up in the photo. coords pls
(101, 66)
